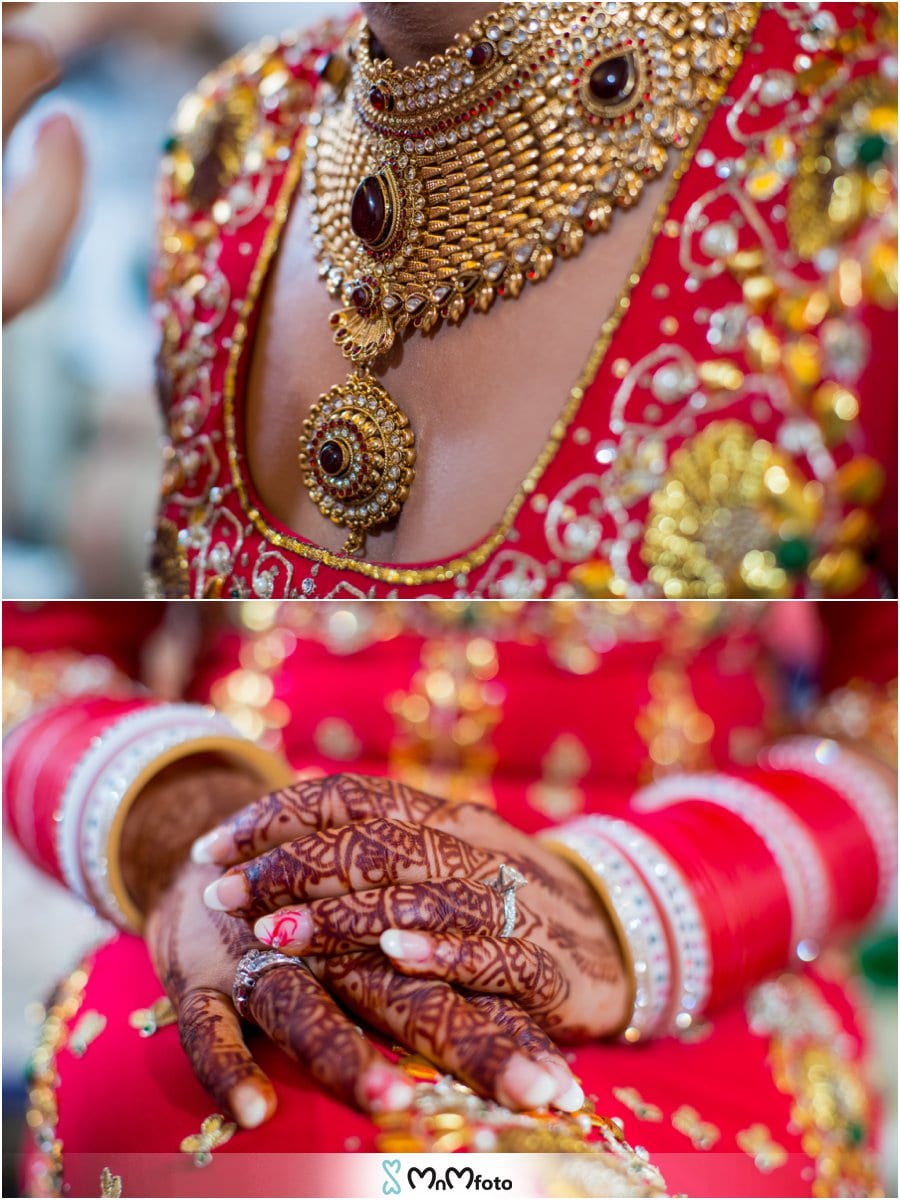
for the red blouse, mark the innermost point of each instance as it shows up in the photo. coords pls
(733, 432)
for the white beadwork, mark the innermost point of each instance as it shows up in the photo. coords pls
(786, 837)
(693, 964)
(102, 778)
(863, 789)
(639, 918)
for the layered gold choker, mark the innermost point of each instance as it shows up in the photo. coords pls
(435, 189)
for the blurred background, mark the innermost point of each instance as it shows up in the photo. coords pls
(79, 417)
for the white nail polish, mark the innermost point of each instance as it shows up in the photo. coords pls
(248, 1106)
(406, 946)
(211, 898)
(391, 943)
(526, 1084)
(201, 849)
(571, 1100)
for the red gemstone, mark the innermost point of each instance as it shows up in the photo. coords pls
(361, 297)
(332, 458)
(613, 81)
(480, 54)
(381, 100)
(370, 212)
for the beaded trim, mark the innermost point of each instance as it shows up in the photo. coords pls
(787, 839)
(635, 912)
(693, 965)
(863, 789)
(100, 782)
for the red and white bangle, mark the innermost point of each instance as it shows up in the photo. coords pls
(82, 787)
(863, 789)
(111, 770)
(635, 915)
(684, 972)
(789, 841)
(688, 935)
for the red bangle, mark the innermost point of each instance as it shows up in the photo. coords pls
(843, 844)
(738, 887)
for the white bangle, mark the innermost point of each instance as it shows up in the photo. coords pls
(693, 962)
(862, 788)
(111, 772)
(787, 839)
(635, 913)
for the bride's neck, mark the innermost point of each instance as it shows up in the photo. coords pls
(409, 33)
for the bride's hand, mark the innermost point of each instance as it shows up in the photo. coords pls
(195, 953)
(484, 1040)
(41, 207)
(373, 862)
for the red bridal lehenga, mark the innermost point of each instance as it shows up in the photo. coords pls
(734, 430)
(549, 713)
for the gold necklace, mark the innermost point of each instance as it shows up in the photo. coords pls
(434, 189)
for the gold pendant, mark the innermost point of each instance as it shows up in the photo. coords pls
(357, 454)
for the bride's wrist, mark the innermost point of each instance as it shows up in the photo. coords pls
(183, 801)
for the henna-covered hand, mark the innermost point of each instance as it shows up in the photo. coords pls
(195, 952)
(373, 861)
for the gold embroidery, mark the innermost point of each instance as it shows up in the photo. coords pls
(209, 141)
(733, 517)
(86, 1031)
(675, 730)
(445, 719)
(842, 172)
(757, 1141)
(110, 1185)
(702, 1134)
(641, 1108)
(214, 1132)
(803, 346)
(42, 1116)
(167, 570)
(148, 1020)
(812, 1061)
(564, 764)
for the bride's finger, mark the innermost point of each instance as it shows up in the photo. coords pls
(502, 966)
(210, 1033)
(367, 854)
(291, 1006)
(327, 802)
(433, 1019)
(338, 924)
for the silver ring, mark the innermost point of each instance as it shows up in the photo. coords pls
(507, 883)
(252, 965)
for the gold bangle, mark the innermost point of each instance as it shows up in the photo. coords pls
(272, 770)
